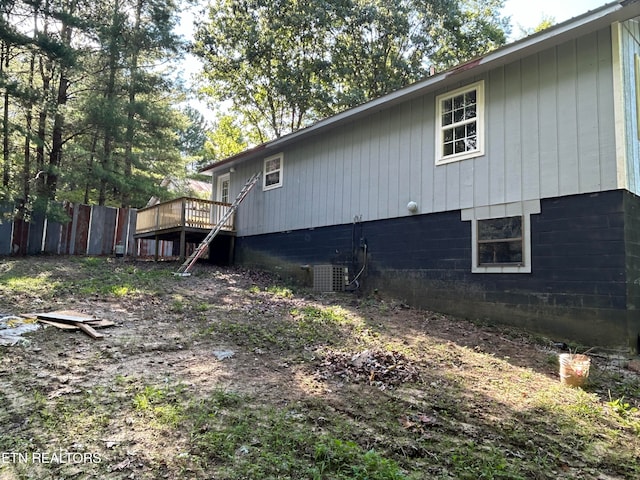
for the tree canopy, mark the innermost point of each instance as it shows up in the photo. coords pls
(88, 100)
(286, 63)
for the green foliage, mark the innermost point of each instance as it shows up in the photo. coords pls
(266, 442)
(225, 140)
(90, 107)
(470, 461)
(159, 405)
(285, 64)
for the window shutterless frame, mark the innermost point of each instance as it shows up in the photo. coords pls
(500, 241)
(273, 168)
(501, 236)
(460, 124)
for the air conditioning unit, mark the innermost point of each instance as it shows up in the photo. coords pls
(330, 278)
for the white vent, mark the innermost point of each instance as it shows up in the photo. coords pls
(330, 278)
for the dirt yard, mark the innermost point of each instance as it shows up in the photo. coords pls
(232, 374)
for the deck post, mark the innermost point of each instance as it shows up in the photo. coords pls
(183, 232)
(156, 254)
(183, 245)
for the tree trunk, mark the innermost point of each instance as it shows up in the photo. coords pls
(6, 157)
(131, 110)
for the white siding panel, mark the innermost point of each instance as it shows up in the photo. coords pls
(568, 120)
(385, 133)
(513, 133)
(304, 174)
(416, 161)
(331, 179)
(359, 168)
(529, 128)
(588, 114)
(403, 182)
(374, 174)
(548, 124)
(606, 118)
(427, 201)
(481, 181)
(496, 128)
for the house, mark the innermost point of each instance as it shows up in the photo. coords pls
(506, 188)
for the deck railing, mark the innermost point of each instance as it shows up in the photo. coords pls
(183, 212)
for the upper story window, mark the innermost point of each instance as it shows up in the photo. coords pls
(272, 177)
(460, 124)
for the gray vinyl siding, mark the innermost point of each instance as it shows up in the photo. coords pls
(549, 132)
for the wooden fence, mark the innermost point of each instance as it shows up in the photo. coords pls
(92, 230)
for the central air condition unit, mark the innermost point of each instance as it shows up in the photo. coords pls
(330, 278)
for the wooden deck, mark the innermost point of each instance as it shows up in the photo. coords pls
(184, 219)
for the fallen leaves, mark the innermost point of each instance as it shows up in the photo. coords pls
(376, 367)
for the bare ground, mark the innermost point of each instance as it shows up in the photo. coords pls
(232, 374)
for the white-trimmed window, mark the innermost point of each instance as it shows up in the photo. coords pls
(500, 242)
(460, 124)
(501, 237)
(272, 177)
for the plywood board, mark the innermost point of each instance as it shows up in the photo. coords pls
(66, 316)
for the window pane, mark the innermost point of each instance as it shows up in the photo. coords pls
(447, 105)
(447, 119)
(458, 115)
(272, 178)
(460, 132)
(500, 228)
(448, 135)
(458, 102)
(447, 149)
(500, 252)
(460, 146)
(273, 164)
(470, 112)
(471, 129)
(470, 97)
(471, 143)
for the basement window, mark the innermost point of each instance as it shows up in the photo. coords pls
(501, 237)
(272, 177)
(500, 241)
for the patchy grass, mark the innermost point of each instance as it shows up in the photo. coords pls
(314, 387)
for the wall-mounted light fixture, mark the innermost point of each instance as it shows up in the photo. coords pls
(232, 170)
(412, 207)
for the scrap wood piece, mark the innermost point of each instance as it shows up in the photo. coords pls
(72, 320)
(89, 330)
(60, 325)
(72, 326)
(66, 316)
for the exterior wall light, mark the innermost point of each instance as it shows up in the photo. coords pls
(412, 207)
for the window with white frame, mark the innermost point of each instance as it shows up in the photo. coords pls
(272, 177)
(501, 237)
(500, 241)
(460, 124)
